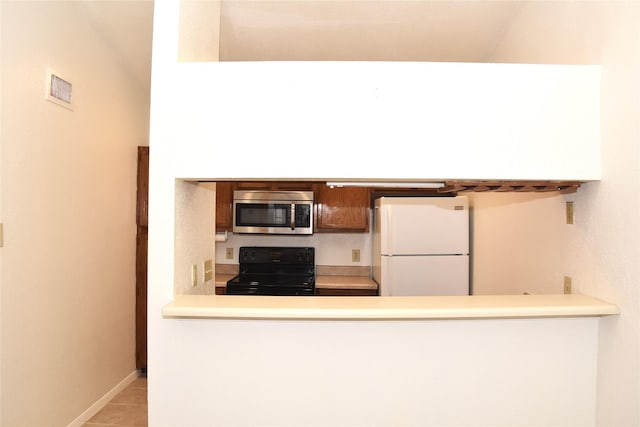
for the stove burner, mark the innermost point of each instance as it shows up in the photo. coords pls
(274, 271)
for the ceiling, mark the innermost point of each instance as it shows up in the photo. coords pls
(375, 30)
(128, 27)
(398, 30)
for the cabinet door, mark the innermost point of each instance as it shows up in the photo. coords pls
(224, 206)
(342, 209)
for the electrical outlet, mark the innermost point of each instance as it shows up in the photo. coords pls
(208, 270)
(229, 253)
(567, 284)
(570, 213)
(355, 255)
(194, 274)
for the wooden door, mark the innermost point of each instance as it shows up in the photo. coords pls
(141, 258)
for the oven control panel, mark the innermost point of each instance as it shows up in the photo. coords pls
(277, 255)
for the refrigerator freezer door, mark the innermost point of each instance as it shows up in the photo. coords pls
(425, 275)
(424, 225)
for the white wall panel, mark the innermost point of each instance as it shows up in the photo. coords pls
(387, 120)
(531, 372)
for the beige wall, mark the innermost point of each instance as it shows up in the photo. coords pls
(518, 243)
(603, 247)
(68, 207)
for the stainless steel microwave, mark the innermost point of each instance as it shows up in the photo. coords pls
(273, 212)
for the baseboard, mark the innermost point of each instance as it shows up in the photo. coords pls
(100, 403)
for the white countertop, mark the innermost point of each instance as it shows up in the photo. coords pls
(385, 308)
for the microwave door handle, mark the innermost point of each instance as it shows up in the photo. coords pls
(293, 216)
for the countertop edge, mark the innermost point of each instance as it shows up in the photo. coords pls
(386, 308)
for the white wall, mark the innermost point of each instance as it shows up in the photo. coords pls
(368, 373)
(603, 247)
(195, 218)
(68, 207)
(485, 116)
(199, 34)
(1, 220)
(534, 372)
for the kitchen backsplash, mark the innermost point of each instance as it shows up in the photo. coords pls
(331, 248)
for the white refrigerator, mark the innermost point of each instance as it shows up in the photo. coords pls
(421, 245)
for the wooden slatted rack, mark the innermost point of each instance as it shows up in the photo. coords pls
(563, 187)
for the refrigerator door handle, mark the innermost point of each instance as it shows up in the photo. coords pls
(385, 214)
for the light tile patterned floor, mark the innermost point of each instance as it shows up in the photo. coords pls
(128, 408)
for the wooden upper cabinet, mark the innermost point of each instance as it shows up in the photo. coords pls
(342, 209)
(224, 206)
(338, 209)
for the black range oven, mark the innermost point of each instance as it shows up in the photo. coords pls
(274, 271)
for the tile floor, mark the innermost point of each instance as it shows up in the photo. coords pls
(128, 408)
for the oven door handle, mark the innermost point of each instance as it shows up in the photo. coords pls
(293, 216)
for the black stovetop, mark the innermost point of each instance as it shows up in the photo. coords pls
(274, 271)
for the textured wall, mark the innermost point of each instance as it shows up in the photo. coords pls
(68, 199)
(603, 247)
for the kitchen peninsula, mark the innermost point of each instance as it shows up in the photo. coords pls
(388, 308)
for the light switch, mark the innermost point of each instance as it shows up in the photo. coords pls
(567, 285)
(208, 270)
(194, 275)
(569, 212)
